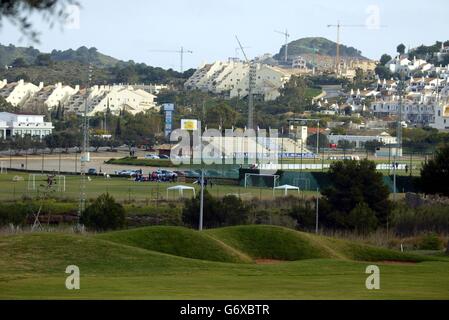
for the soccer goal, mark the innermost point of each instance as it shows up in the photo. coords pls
(57, 181)
(302, 183)
(261, 180)
(3, 168)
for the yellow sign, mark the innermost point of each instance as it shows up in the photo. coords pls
(188, 124)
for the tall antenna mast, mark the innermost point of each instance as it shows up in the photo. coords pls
(251, 86)
(85, 156)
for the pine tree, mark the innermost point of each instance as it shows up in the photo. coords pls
(118, 129)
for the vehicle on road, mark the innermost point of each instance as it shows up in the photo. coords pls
(92, 171)
(152, 157)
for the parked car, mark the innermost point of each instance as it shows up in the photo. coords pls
(164, 157)
(92, 171)
(127, 173)
(152, 157)
(166, 175)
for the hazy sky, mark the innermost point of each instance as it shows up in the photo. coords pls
(131, 29)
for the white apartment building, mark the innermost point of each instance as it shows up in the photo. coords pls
(51, 97)
(12, 124)
(419, 109)
(124, 98)
(231, 79)
(401, 64)
(17, 93)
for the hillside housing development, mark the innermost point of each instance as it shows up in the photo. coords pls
(116, 98)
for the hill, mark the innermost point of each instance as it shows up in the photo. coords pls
(71, 67)
(320, 46)
(177, 241)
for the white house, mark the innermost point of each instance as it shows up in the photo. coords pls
(124, 98)
(50, 96)
(12, 124)
(17, 93)
(231, 79)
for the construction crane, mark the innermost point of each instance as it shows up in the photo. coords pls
(251, 86)
(239, 49)
(286, 35)
(339, 26)
(181, 52)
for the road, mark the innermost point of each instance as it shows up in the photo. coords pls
(61, 162)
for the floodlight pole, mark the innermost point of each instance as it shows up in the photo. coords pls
(201, 180)
(317, 210)
(202, 201)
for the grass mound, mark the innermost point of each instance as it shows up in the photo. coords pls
(269, 242)
(50, 253)
(179, 242)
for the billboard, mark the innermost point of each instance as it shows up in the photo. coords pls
(168, 108)
(189, 124)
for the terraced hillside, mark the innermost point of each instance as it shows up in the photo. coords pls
(177, 263)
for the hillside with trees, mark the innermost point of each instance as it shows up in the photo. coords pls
(72, 66)
(319, 45)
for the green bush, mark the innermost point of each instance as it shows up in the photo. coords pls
(431, 241)
(15, 213)
(228, 211)
(362, 219)
(104, 214)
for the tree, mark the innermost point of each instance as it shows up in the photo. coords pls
(20, 11)
(323, 140)
(371, 146)
(52, 141)
(217, 213)
(400, 49)
(384, 59)
(19, 63)
(43, 60)
(435, 173)
(104, 214)
(98, 142)
(355, 184)
(5, 106)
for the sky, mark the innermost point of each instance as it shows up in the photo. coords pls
(136, 29)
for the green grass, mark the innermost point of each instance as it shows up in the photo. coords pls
(271, 242)
(122, 189)
(268, 242)
(177, 241)
(32, 266)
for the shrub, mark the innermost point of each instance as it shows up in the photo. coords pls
(431, 241)
(217, 213)
(15, 213)
(104, 214)
(353, 183)
(362, 219)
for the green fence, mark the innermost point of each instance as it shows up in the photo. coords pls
(311, 181)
